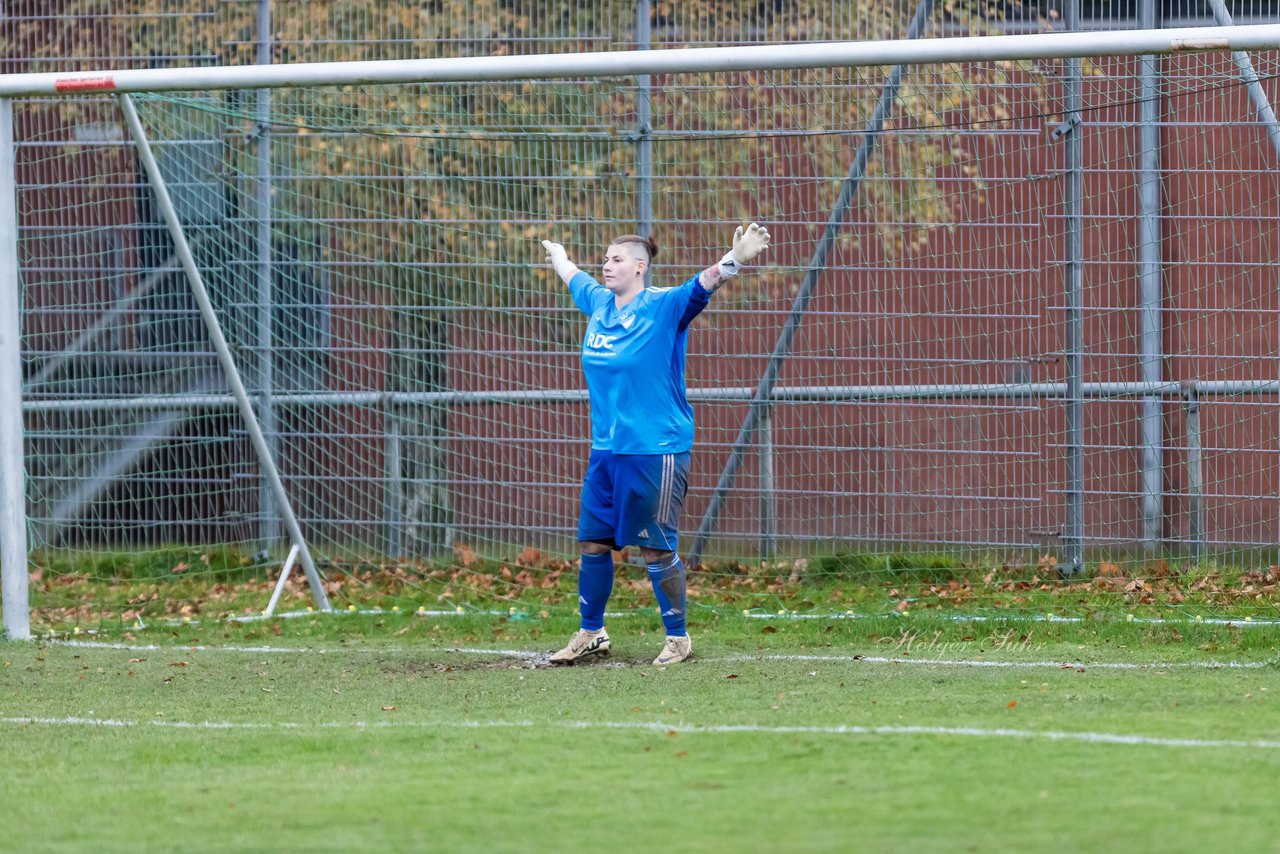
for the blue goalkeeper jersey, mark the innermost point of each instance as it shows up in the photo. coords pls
(633, 359)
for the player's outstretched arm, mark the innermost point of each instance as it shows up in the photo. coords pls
(748, 243)
(559, 260)
(588, 294)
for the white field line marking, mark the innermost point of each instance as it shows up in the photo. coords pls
(982, 662)
(732, 659)
(1238, 622)
(314, 650)
(659, 726)
(151, 647)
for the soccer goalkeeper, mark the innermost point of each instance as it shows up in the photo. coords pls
(641, 426)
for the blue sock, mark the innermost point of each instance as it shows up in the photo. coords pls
(595, 583)
(668, 579)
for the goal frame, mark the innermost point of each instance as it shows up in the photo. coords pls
(13, 518)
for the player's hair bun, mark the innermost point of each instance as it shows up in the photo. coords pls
(649, 244)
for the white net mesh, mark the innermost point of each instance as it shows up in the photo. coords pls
(376, 267)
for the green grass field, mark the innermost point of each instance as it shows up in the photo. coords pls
(379, 733)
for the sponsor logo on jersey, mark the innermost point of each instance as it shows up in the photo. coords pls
(597, 341)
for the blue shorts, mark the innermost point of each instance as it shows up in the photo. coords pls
(633, 499)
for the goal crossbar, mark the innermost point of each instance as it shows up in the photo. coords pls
(636, 62)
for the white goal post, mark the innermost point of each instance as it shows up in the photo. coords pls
(123, 83)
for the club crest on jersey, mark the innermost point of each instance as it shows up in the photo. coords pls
(626, 320)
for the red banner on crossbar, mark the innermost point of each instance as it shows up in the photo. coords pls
(85, 84)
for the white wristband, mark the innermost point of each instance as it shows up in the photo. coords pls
(728, 266)
(566, 270)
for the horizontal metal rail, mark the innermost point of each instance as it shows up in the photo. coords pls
(799, 394)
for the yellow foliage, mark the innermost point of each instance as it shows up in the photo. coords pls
(437, 137)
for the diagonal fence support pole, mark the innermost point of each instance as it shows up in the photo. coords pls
(13, 495)
(281, 581)
(225, 359)
(817, 263)
(88, 339)
(1261, 103)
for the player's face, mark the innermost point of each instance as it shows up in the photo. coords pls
(623, 272)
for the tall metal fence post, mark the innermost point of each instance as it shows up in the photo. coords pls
(13, 478)
(1150, 262)
(1073, 533)
(268, 512)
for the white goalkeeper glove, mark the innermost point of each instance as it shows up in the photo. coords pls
(559, 259)
(748, 243)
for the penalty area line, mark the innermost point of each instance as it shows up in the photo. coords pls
(662, 727)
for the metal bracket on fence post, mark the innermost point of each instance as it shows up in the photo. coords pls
(1066, 126)
(220, 346)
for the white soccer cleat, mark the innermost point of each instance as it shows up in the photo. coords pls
(583, 644)
(675, 650)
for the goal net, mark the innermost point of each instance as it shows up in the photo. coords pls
(1014, 345)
